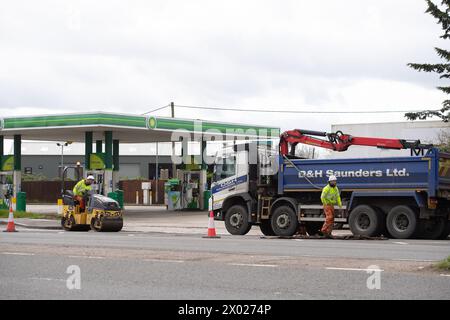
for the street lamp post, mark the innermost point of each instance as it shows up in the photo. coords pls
(62, 145)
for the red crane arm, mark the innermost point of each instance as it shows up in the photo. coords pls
(341, 142)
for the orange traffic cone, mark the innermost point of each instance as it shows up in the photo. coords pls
(211, 227)
(11, 227)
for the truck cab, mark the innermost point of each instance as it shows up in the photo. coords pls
(239, 173)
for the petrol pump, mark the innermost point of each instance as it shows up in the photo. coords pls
(7, 179)
(193, 185)
(97, 169)
(6, 188)
(99, 185)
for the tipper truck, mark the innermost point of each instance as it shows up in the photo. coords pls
(398, 197)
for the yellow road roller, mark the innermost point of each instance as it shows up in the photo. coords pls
(100, 213)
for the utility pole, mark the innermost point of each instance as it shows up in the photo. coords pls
(174, 166)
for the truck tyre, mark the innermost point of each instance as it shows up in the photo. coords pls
(402, 222)
(444, 235)
(284, 221)
(313, 227)
(431, 229)
(266, 228)
(236, 220)
(365, 221)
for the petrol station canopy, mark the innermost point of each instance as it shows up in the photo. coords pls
(125, 127)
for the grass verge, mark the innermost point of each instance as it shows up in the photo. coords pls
(26, 214)
(444, 265)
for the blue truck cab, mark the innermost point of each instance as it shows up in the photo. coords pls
(398, 197)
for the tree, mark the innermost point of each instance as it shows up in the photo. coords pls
(442, 69)
(443, 140)
(305, 152)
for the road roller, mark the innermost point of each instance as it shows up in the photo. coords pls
(101, 214)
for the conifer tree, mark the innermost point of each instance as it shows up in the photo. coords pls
(442, 15)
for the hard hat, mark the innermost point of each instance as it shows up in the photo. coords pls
(332, 178)
(90, 177)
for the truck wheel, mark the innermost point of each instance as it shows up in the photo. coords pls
(266, 228)
(431, 228)
(402, 222)
(236, 220)
(313, 227)
(284, 221)
(444, 235)
(365, 221)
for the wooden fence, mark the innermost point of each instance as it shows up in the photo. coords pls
(44, 191)
(50, 191)
(130, 187)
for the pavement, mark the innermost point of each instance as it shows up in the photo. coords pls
(143, 219)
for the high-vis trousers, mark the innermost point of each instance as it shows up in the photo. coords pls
(327, 227)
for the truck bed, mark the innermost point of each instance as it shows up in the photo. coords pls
(430, 173)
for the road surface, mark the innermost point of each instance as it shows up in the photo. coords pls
(130, 265)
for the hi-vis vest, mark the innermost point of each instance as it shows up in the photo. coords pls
(330, 196)
(81, 188)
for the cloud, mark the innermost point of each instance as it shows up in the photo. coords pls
(67, 56)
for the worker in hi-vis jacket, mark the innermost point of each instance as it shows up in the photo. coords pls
(330, 197)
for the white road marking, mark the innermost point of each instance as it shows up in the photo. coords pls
(18, 253)
(299, 240)
(87, 257)
(399, 242)
(415, 260)
(253, 265)
(353, 269)
(48, 279)
(444, 275)
(162, 260)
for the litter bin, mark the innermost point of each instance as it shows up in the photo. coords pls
(206, 197)
(120, 197)
(21, 204)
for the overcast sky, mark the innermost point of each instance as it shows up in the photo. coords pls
(133, 56)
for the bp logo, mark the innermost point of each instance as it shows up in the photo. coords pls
(152, 123)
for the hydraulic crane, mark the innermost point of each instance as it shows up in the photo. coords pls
(339, 141)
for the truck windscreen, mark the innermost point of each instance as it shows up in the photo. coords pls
(225, 167)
